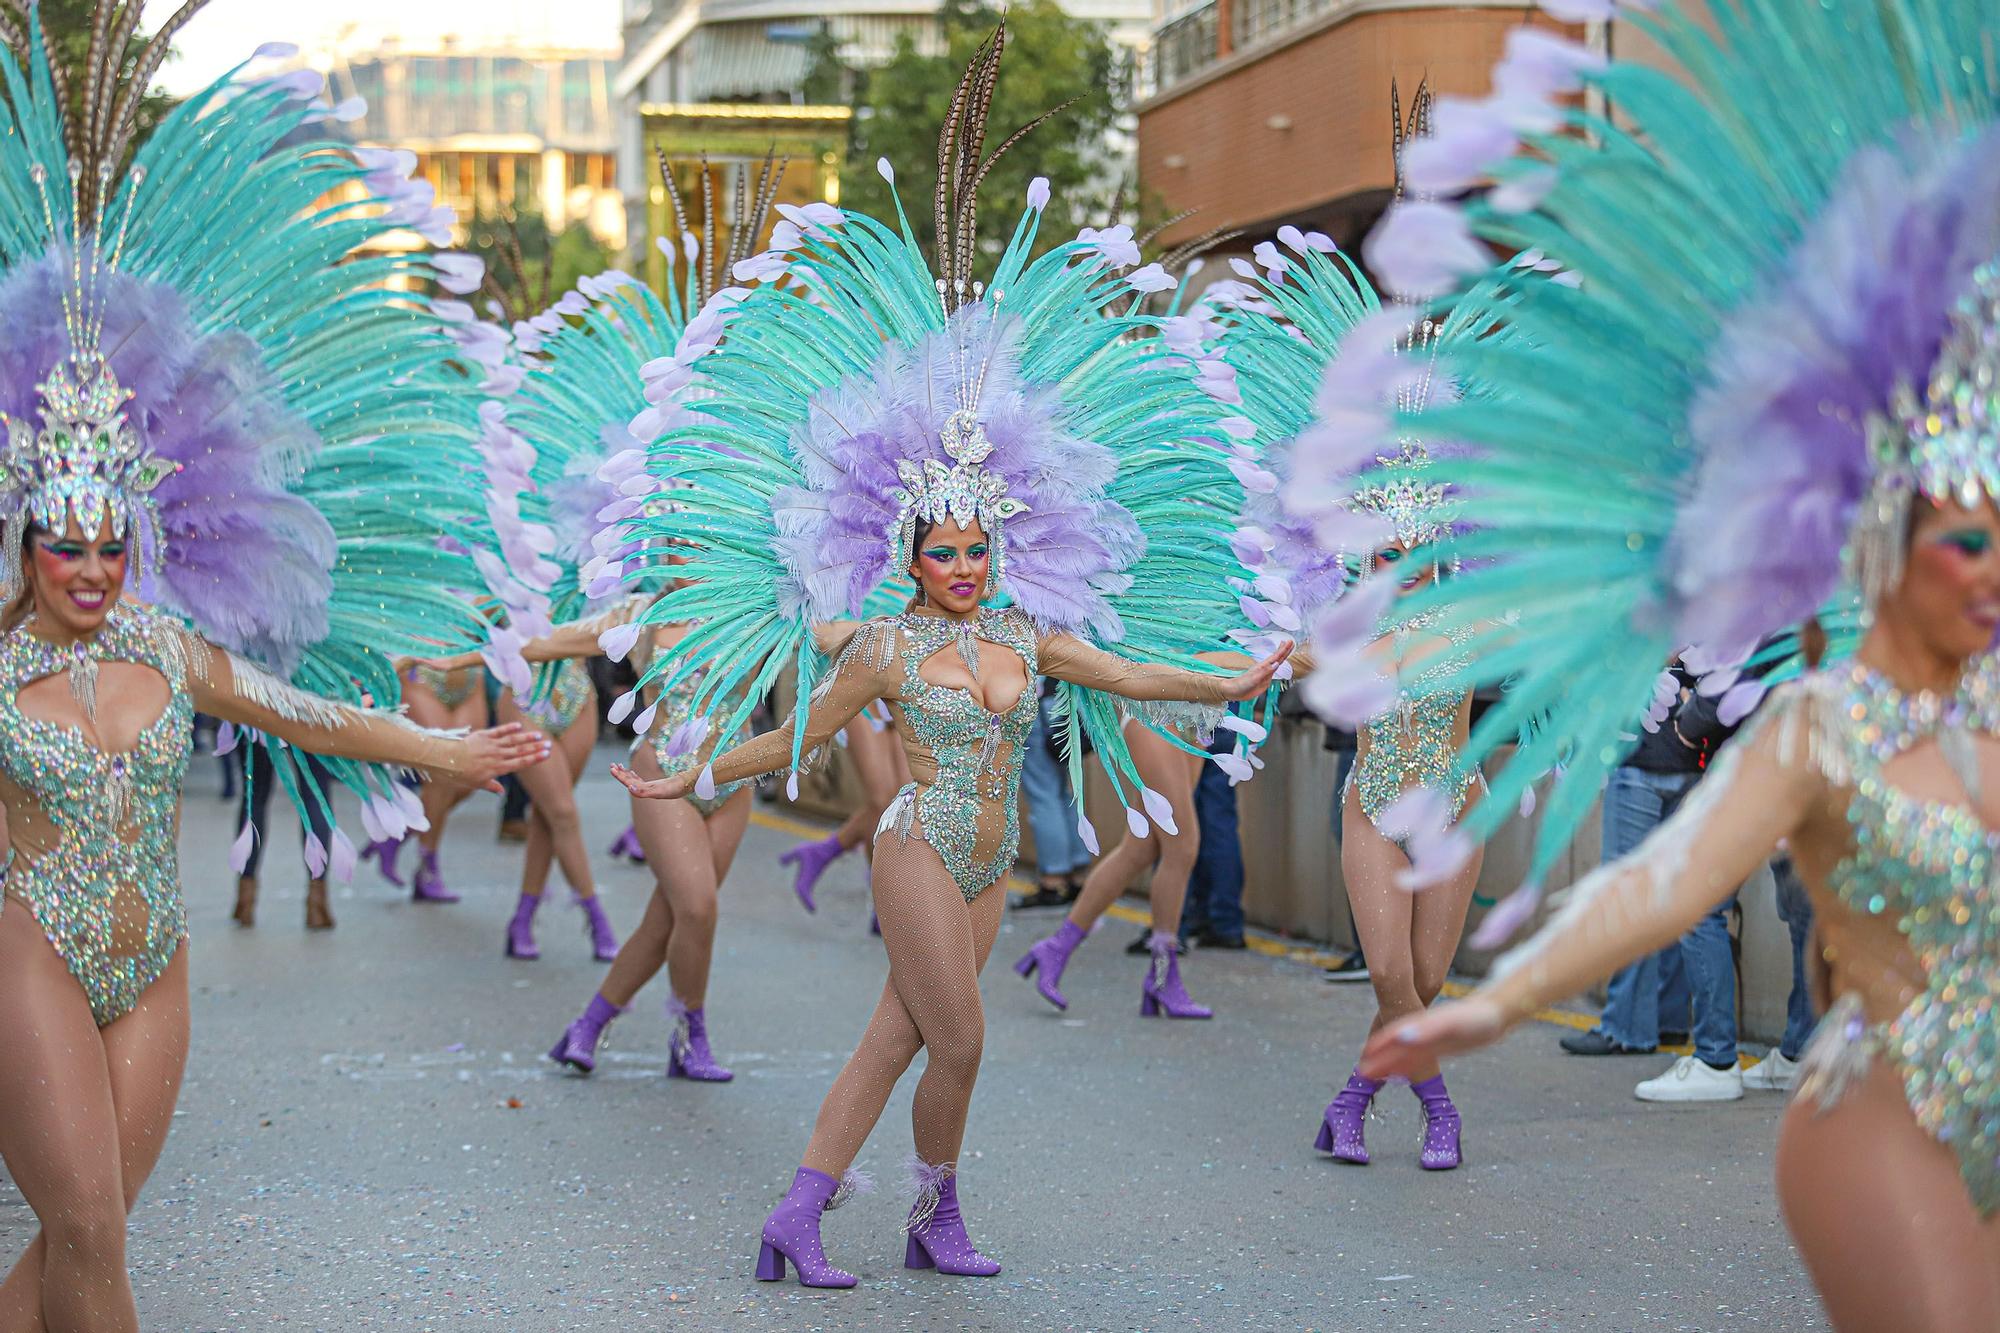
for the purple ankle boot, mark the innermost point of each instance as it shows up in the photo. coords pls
(936, 1228)
(578, 1045)
(627, 846)
(1046, 961)
(384, 852)
(603, 939)
(428, 884)
(1162, 991)
(688, 1055)
(812, 859)
(1340, 1129)
(521, 930)
(1441, 1150)
(792, 1229)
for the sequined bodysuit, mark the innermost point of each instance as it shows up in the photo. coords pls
(451, 687)
(1413, 744)
(93, 833)
(965, 759)
(567, 695)
(1905, 881)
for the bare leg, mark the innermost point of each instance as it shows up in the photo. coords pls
(883, 768)
(1923, 1261)
(1383, 917)
(1170, 771)
(441, 798)
(83, 1115)
(551, 787)
(937, 945)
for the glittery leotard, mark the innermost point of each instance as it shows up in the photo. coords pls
(1933, 870)
(92, 833)
(451, 687)
(569, 693)
(1412, 745)
(965, 760)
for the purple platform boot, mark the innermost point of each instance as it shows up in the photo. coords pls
(384, 852)
(1162, 991)
(688, 1055)
(1340, 1129)
(428, 884)
(603, 939)
(792, 1229)
(628, 847)
(578, 1045)
(521, 930)
(1046, 961)
(1441, 1150)
(812, 859)
(936, 1228)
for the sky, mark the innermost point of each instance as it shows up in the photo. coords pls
(229, 30)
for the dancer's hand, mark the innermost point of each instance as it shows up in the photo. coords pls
(1257, 679)
(1420, 1042)
(507, 748)
(675, 788)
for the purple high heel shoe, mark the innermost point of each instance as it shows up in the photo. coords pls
(577, 1047)
(427, 885)
(627, 846)
(1442, 1150)
(1162, 991)
(521, 930)
(812, 859)
(603, 939)
(1047, 959)
(936, 1227)
(1340, 1129)
(384, 852)
(688, 1055)
(792, 1230)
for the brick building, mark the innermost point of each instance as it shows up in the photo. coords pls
(1266, 112)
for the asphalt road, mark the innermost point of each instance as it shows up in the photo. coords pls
(370, 1139)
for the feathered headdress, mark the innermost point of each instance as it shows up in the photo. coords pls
(856, 392)
(209, 349)
(1776, 252)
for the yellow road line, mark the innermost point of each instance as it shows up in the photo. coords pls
(1270, 948)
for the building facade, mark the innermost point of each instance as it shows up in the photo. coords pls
(497, 130)
(1259, 113)
(708, 53)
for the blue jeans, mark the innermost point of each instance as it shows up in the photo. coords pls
(1795, 910)
(1215, 886)
(1059, 848)
(1697, 974)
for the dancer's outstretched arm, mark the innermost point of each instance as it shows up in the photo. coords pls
(1762, 788)
(867, 669)
(226, 686)
(571, 639)
(1066, 657)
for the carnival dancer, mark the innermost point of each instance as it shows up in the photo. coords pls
(207, 411)
(447, 701)
(976, 438)
(1818, 377)
(882, 771)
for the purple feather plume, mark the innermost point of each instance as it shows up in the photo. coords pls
(1795, 375)
(1065, 558)
(249, 563)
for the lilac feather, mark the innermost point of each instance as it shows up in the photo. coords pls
(1780, 426)
(247, 562)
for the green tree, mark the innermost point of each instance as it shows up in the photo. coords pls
(1051, 58)
(528, 267)
(67, 24)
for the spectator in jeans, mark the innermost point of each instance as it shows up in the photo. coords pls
(1060, 856)
(1341, 743)
(1780, 1069)
(1212, 916)
(1699, 973)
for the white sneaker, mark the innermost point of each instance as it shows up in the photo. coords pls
(1691, 1080)
(1774, 1073)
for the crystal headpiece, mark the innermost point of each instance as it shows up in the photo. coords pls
(84, 459)
(1418, 510)
(1942, 442)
